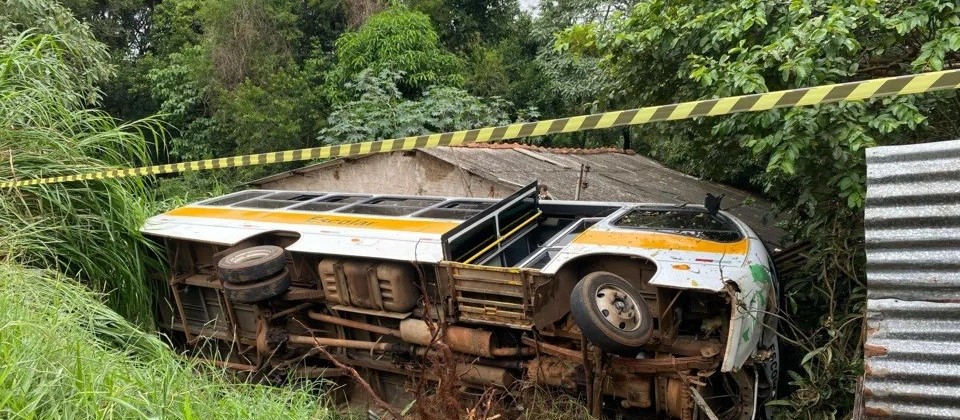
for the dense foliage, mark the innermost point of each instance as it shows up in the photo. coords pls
(400, 40)
(237, 76)
(85, 62)
(379, 111)
(242, 76)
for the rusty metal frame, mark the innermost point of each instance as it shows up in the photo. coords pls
(521, 314)
(627, 365)
(175, 282)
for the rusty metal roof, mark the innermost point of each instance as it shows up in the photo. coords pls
(912, 351)
(554, 150)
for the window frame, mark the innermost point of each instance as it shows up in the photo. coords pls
(722, 218)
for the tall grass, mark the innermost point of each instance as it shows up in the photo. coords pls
(87, 230)
(63, 354)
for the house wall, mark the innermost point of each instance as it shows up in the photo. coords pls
(394, 173)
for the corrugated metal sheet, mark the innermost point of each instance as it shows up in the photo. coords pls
(912, 352)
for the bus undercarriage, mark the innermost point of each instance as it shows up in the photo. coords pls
(487, 322)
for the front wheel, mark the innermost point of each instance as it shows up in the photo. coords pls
(611, 313)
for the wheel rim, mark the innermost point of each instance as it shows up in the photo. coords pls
(617, 307)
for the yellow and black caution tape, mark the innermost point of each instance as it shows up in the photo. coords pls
(901, 85)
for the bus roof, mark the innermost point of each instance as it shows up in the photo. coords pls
(396, 227)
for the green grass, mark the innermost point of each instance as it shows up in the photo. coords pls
(64, 354)
(87, 230)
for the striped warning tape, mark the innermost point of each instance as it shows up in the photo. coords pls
(901, 85)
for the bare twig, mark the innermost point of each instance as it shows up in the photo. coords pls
(481, 410)
(356, 377)
(443, 360)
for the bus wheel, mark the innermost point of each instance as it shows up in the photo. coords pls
(611, 313)
(258, 290)
(252, 264)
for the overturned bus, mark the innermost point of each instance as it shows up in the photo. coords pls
(644, 310)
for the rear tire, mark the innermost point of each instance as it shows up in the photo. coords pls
(252, 264)
(257, 291)
(611, 313)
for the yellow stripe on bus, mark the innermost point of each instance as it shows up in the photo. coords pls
(663, 241)
(322, 219)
